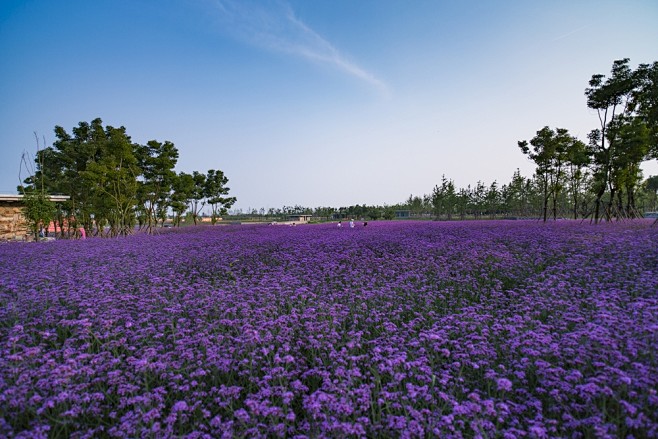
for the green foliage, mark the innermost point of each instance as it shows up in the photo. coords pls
(156, 161)
(444, 199)
(183, 186)
(374, 213)
(644, 101)
(215, 191)
(626, 103)
(114, 182)
(554, 152)
(650, 187)
(111, 180)
(39, 211)
(197, 195)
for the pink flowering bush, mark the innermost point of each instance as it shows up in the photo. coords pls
(402, 329)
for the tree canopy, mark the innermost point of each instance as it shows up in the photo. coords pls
(625, 102)
(115, 184)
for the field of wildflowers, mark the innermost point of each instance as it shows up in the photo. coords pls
(398, 329)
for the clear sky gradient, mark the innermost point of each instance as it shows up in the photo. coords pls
(316, 103)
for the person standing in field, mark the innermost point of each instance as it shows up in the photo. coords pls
(351, 223)
(340, 224)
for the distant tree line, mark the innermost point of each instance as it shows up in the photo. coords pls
(116, 185)
(521, 197)
(599, 179)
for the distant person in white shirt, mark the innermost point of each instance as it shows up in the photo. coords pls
(340, 224)
(352, 223)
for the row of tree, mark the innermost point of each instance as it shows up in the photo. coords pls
(608, 165)
(600, 178)
(521, 197)
(115, 184)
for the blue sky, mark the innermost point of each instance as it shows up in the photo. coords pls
(323, 102)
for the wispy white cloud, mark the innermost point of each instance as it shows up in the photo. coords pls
(273, 25)
(568, 34)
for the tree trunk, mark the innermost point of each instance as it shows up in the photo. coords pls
(630, 203)
(597, 208)
(545, 207)
(613, 192)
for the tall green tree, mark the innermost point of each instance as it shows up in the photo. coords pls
(493, 200)
(444, 199)
(514, 195)
(632, 147)
(157, 161)
(74, 153)
(39, 211)
(651, 186)
(111, 176)
(94, 166)
(216, 192)
(415, 205)
(478, 201)
(197, 195)
(623, 101)
(550, 153)
(183, 188)
(644, 101)
(577, 160)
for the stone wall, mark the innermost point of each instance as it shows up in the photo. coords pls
(13, 226)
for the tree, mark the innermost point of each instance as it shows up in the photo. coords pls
(492, 198)
(389, 213)
(156, 161)
(183, 187)
(197, 195)
(614, 100)
(444, 198)
(632, 145)
(415, 205)
(95, 168)
(320, 212)
(651, 186)
(578, 159)
(111, 177)
(215, 190)
(450, 198)
(112, 181)
(39, 211)
(462, 203)
(73, 154)
(550, 152)
(374, 213)
(478, 199)
(513, 195)
(644, 101)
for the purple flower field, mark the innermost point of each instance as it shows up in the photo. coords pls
(399, 329)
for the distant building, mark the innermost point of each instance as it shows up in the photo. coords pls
(402, 213)
(300, 218)
(13, 225)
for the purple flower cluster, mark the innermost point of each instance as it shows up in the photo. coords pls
(401, 329)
